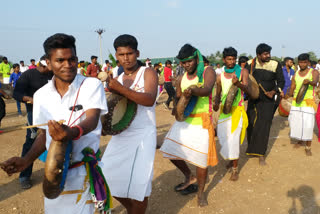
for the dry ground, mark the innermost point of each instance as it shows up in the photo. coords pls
(288, 184)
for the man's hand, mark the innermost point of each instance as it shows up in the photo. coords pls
(113, 84)
(60, 132)
(306, 82)
(187, 92)
(216, 106)
(281, 94)
(14, 165)
(235, 80)
(270, 94)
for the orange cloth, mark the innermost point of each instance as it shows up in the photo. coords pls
(207, 124)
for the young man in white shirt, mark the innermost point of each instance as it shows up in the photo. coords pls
(62, 99)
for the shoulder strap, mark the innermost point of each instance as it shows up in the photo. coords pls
(253, 65)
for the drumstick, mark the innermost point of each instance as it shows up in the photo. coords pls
(159, 95)
(262, 88)
(44, 124)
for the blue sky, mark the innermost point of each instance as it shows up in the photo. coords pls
(161, 26)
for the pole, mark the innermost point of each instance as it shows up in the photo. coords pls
(101, 61)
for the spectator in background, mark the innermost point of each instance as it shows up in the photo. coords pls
(13, 80)
(179, 69)
(205, 61)
(313, 64)
(106, 66)
(243, 61)
(33, 64)
(5, 70)
(149, 65)
(288, 73)
(168, 83)
(93, 69)
(29, 82)
(148, 61)
(318, 65)
(81, 69)
(2, 105)
(218, 70)
(23, 67)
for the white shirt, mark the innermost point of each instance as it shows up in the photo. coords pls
(219, 70)
(48, 105)
(318, 67)
(115, 72)
(23, 68)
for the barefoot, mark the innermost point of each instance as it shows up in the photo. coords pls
(202, 201)
(262, 161)
(308, 152)
(297, 145)
(234, 174)
(229, 165)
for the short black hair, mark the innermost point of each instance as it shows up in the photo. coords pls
(168, 62)
(44, 57)
(4, 58)
(287, 59)
(106, 61)
(230, 51)
(59, 40)
(303, 57)
(32, 60)
(125, 40)
(81, 61)
(94, 57)
(243, 59)
(313, 63)
(186, 51)
(261, 48)
(15, 65)
(21, 61)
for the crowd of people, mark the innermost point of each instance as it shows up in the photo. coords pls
(51, 91)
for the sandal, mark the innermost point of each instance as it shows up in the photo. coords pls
(190, 189)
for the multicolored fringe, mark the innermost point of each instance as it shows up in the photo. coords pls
(99, 189)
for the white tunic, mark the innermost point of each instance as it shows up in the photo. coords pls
(128, 159)
(48, 105)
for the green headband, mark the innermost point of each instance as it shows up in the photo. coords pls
(200, 66)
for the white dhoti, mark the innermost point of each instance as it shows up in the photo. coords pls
(187, 142)
(6, 80)
(230, 142)
(128, 163)
(301, 121)
(76, 196)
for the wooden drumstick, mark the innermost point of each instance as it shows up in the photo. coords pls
(44, 124)
(262, 88)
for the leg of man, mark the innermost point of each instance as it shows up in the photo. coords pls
(2, 109)
(318, 120)
(25, 175)
(134, 206)
(308, 148)
(234, 172)
(171, 93)
(18, 107)
(202, 177)
(189, 178)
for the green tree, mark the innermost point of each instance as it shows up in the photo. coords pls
(313, 56)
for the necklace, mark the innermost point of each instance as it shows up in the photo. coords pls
(132, 72)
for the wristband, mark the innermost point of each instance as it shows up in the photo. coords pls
(80, 132)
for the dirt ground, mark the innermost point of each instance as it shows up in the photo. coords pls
(288, 184)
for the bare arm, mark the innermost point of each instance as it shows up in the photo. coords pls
(243, 85)
(315, 78)
(218, 94)
(18, 164)
(209, 80)
(146, 98)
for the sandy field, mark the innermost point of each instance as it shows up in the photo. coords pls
(289, 183)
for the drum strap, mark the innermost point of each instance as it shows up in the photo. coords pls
(69, 146)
